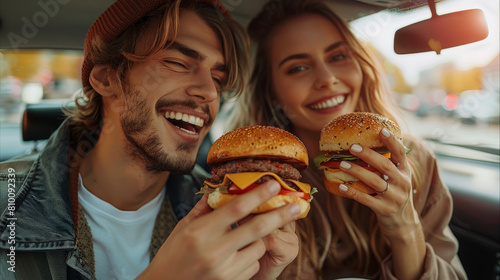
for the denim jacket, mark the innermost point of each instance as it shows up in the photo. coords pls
(37, 235)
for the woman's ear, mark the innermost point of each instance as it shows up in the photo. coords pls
(102, 81)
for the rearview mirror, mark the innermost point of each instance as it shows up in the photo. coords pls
(441, 32)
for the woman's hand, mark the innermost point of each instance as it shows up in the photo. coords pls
(203, 245)
(393, 205)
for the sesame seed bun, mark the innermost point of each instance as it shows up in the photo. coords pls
(356, 128)
(334, 177)
(218, 199)
(353, 128)
(259, 142)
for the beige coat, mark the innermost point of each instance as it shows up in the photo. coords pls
(432, 201)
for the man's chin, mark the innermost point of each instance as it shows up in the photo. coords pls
(182, 170)
(180, 165)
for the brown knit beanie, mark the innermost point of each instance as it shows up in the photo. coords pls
(118, 17)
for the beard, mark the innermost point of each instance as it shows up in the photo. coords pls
(144, 144)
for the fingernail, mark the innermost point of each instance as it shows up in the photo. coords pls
(345, 164)
(356, 148)
(274, 187)
(386, 132)
(343, 188)
(294, 209)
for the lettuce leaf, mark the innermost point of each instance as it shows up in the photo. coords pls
(324, 158)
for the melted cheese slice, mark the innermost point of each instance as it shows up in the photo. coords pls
(244, 179)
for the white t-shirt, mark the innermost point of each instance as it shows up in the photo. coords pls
(121, 238)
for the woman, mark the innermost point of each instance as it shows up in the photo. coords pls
(309, 69)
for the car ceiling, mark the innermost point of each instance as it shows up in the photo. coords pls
(64, 23)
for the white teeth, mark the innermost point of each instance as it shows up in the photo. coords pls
(185, 118)
(332, 102)
(188, 131)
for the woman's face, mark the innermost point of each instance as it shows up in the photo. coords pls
(314, 75)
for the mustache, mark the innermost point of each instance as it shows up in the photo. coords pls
(185, 103)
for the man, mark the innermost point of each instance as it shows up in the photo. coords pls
(94, 203)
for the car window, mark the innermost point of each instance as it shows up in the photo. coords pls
(450, 97)
(33, 76)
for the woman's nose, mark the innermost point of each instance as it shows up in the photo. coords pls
(325, 77)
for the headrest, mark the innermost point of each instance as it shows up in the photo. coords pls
(41, 120)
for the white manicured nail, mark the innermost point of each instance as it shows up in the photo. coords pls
(345, 164)
(386, 132)
(356, 148)
(343, 188)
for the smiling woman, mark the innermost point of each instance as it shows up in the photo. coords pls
(306, 58)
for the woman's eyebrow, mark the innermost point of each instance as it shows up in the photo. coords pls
(334, 46)
(303, 55)
(293, 56)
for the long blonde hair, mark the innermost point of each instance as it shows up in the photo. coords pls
(255, 106)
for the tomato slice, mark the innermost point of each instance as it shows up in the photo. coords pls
(336, 165)
(302, 195)
(331, 164)
(233, 189)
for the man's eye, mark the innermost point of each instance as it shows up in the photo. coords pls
(296, 69)
(218, 83)
(176, 64)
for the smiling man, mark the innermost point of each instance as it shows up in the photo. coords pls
(106, 196)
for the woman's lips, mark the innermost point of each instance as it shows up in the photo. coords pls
(328, 103)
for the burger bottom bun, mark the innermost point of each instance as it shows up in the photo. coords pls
(332, 180)
(217, 199)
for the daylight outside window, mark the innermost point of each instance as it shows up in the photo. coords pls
(450, 97)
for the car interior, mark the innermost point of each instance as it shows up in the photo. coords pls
(469, 168)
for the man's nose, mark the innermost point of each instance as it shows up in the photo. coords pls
(204, 87)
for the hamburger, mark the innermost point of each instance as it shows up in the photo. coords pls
(336, 138)
(246, 157)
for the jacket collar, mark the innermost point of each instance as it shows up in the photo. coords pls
(43, 216)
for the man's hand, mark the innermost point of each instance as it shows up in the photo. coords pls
(282, 247)
(203, 246)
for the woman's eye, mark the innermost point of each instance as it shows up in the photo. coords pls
(339, 57)
(296, 69)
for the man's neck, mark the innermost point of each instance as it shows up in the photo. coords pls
(109, 173)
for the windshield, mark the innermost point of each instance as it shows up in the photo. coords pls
(452, 97)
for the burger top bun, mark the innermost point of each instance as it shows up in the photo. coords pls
(358, 127)
(259, 142)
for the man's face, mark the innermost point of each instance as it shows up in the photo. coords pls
(173, 98)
